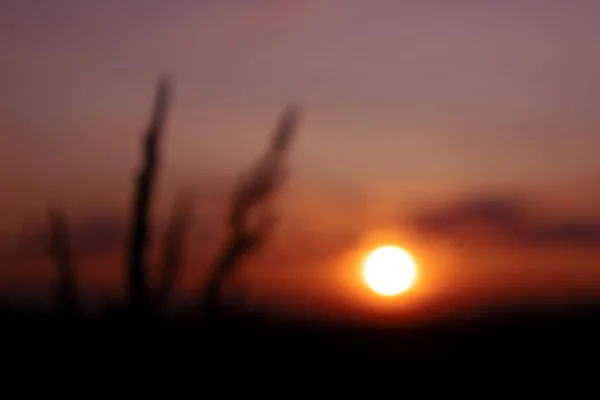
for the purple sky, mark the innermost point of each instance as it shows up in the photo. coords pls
(400, 96)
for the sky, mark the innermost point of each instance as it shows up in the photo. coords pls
(467, 132)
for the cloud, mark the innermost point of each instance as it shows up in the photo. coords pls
(91, 235)
(494, 213)
(507, 219)
(100, 234)
(567, 232)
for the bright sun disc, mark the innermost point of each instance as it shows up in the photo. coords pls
(389, 270)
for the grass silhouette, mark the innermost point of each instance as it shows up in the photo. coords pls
(138, 293)
(249, 219)
(60, 252)
(249, 223)
(174, 241)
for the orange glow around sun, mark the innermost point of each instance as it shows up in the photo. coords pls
(389, 271)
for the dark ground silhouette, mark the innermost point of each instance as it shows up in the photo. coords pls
(500, 346)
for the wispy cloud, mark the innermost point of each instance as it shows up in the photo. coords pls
(507, 219)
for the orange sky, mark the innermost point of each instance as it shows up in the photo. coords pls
(469, 131)
(312, 262)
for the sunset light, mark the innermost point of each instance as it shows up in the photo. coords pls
(389, 271)
(404, 185)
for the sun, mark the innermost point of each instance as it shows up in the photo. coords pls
(389, 270)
